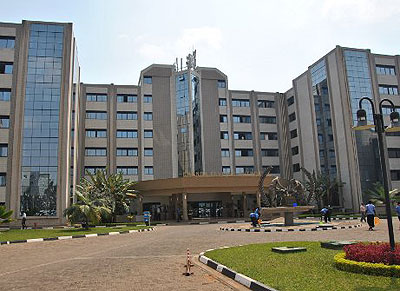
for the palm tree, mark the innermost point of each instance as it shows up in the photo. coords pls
(321, 187)
(5, 215)
(377, 194)
(116, 190)
(87, 209)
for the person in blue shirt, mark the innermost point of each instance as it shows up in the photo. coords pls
(254, 217)
(370, 211)
(324, 214)
(398, 211)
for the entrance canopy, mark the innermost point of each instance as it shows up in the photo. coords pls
(202, 184)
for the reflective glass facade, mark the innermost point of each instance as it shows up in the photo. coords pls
(359, 83)
(183, 122)
(323, 116)
(198, 165)
(41, 120)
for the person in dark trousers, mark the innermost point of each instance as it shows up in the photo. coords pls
(254, 218)
(398, 211)
(329, 213)
(363, 212)
(324, 212)
(178, 214)
(370, 211)
(23, 220)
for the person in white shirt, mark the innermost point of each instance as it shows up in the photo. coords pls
(363, 212)
(24, 220)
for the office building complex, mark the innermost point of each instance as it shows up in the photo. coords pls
(189, 139)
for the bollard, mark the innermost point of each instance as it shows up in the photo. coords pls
(189, 264)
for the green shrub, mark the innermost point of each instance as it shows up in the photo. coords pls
(366, 268)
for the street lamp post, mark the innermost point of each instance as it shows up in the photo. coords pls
(380, 129)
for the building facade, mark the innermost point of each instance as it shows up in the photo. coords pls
(178, 122)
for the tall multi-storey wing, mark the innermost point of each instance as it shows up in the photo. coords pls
(40, 160)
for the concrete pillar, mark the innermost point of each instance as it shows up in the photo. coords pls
(184, 207)
(258, 194)
(245, 211)
(140, 206)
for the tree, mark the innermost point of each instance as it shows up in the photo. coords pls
(320, 187)
(116, 190)
(87, 209)
(377, 194)
(5, 215)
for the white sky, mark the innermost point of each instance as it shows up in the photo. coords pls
(260, 45)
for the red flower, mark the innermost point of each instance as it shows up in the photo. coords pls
(373, 253)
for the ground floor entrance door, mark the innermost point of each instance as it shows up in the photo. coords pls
(206, 209)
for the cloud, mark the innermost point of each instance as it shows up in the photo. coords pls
(367, 11)
(207, 39)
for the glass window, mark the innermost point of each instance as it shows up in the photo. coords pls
(101, 115)
(385, 70)
(5, 94)
(296, 167)
(7, 42)
(266, 104)
(148, 170)
(147, 80)
(129, 152)
(290, 101)
(394, 152)
(3, 150)
(293, 133)
(295, 150)
(96, 97)
(240, 103)
(388, 90)
(2, 179)
(96, 133)
(4, 122)
(148, 99)
(269, 152)
(274, 170)
(127, 134)
(93, 170)
(148, 116)
(241, 119)
(269, 136)
(226, 170)
(225, 152)
(124, 98)
(221, 84)
(148, 152)
(268, 119)
(242, 135)
(223, 118)
(222, 101)
(243, 153)
(224, 135)
(292, 117)
(127, 115)
(95, 152)
(127, 170)
(148, 133)
(244, 170)
(6, 68)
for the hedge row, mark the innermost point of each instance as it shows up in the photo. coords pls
(343, 264)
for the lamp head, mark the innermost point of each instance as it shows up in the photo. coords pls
(394, 117)
(361, 115)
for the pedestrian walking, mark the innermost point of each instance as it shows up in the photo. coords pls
(324, 214)
(178, 214)
(370, 211)
(363, 212)
(398, 211)
(24, 220)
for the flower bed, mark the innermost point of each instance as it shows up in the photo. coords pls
(376, 269)
(373, 253)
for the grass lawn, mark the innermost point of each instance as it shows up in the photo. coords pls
(310, 270)
(19, 234)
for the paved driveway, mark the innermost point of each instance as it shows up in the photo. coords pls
(140, 261)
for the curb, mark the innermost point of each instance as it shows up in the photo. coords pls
(72, 236)
(220, 222)
(289, 229)
(240, 278)
(336, 218)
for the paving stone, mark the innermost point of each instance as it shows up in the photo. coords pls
(288, 250)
